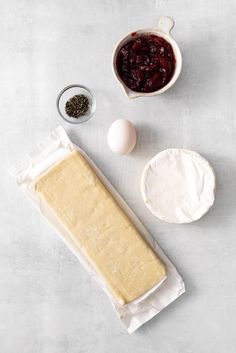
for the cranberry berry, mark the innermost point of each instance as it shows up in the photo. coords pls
(146, 64)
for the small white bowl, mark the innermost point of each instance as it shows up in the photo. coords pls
(163, 30)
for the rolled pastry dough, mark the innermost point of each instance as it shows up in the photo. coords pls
(100, 228)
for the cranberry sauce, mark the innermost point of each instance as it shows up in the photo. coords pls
(146, 64)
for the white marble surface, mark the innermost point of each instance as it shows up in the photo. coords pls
(48, 303)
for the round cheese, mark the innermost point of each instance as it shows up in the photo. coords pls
(178, 185)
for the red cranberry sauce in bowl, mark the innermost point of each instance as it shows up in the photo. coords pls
(146, 63)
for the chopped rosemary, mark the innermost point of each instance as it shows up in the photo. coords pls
(77, 106)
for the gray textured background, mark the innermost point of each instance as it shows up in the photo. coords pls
(48, 303)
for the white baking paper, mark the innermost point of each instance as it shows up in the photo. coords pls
(50, 151)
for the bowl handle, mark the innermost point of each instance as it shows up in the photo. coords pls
(166, 24)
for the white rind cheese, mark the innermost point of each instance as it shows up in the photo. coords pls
(178, 185)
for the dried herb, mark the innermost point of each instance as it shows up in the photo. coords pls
(77, 106)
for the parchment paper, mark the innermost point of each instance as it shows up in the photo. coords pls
(50, 151)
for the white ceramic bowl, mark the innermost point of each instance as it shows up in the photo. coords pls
(163, 30)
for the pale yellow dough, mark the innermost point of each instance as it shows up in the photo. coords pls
(100, 228)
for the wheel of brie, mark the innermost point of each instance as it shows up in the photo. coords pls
(178, 186)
